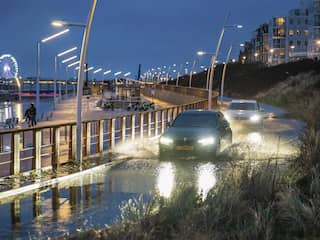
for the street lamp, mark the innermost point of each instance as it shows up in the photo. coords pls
(224, 73)
(214, 59)
(202, 53)
(38, 65)
(271, 55)
(191, 72)
(292, 47)
(55, 71)
(85, 39)
(107, 72)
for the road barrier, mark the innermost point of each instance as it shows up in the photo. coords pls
(27, 149)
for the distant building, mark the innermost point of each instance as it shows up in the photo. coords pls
(286, 38)
(277, 40)
(256, 50)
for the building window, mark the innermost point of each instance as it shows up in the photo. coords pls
(306, 32)
(298, 22)
(306, 22)
(281, 32)
(298, 32)
(279, 21)
(291, 43)
(291, 32)
(291, 21)
(299, 43)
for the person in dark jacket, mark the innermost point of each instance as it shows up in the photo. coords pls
(27, 117)
(32, 114)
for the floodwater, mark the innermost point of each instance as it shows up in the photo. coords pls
(94, 201)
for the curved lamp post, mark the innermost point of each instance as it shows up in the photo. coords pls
(85, 39)
(202, 53)
(214, 59)
(47, 39)
(224, 73)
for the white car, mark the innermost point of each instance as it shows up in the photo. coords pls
(245, 113)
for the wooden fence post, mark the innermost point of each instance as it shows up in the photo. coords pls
(37, 150)
(156, 123)
(149, 121)
(56, 148)
(122, 129)
(88, 138)
(112, 133)
(15, 167)
(141, 123)
(133, 127)
(100, 135)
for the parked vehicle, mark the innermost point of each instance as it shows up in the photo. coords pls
(195, 133)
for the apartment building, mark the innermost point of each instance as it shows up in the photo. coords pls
(286, 38)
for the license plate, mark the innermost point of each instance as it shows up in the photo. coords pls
(184, 148)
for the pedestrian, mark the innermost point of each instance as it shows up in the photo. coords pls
(27, 116)
(33, 115)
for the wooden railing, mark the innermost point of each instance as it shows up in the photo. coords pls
(27, 149)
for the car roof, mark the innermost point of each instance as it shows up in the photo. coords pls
(243, 101)
(201, 112)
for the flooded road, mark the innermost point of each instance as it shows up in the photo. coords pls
(94, 200)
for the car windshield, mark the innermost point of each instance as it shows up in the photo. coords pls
(196, 120)
(243, 106)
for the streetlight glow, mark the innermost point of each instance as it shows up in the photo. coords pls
(88, 69)
(98, 70)
(117, 73)
(55, 35)
(69, 59)
(107, 72)
(67, 51)
(73, 64)
(57, 24)
(127, 74)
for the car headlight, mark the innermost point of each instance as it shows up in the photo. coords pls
(255, 118)
(206, 141)
(166, 140)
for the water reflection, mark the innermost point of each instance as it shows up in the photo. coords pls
(165, 180)
(10, 110)
(94, 199)
(206, 178)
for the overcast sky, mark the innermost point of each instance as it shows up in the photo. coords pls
(128, 32)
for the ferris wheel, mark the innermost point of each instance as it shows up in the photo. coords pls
(8, 67)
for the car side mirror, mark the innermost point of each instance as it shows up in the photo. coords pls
(169, 124)
(261, 110)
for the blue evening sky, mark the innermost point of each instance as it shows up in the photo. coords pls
(128, 32)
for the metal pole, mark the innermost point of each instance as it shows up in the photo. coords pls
(213, 65)
(208, 76)
(167, 78)
(55, 83)
(191, 72)
(177, 82)
(80, 83)
(38, 80)
(224, 73)
(66, 87)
